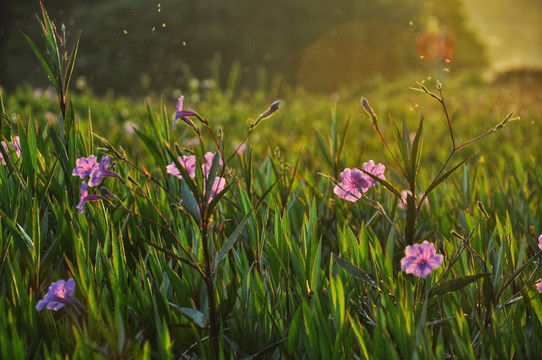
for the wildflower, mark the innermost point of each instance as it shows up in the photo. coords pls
(376, 170)
(218, 186)
(5, 146)
(187, 162)
(99, 172)
(539, 285)
(421, 259)
(353, 183)
(17, 146)
(182, 114)
(540, 242)
(85, 197)
(60, 293)
(206, 167)
(84, 166)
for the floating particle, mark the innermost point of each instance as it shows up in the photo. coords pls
(422, 57)
(163, 25)
(411, 23)
(447, 69)
(429, 78)
(447, 61)
(184, 43)
(125, 32)
(153, 28)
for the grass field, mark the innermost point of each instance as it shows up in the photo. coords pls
(250, 252)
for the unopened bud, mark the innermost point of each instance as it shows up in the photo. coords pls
(369, 110)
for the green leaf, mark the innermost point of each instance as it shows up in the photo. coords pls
(194, 315)
(443, 177)
(354, 271)
(150, 143)
(189, 201)
(293, 331)
(71, 63)
(228, 244)
(324, 147)
(44, 63)
(416, 151)
(400, 145)
(384, 183)
(455, 284)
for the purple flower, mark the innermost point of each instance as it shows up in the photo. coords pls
(353, 183)
(206, 167)
(187, 162)
(60, 293)
(85, 197)
(182, 114)
(84, 166)
(17, 146)
(539, 285)
(99, 172)
(376, 170)
(5, 146)
(540, 242)
(218, 186)
(421, 259)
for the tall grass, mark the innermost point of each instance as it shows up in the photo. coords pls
(275, 265)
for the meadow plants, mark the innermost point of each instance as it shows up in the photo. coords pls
(205, 251)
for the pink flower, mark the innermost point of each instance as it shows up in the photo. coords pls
(17, 146)
(84, 166)
(187, 162)
(421, 259)
(540, 242)
(353, 183)
(218, 186)
(60, 293)
(5, 146)
(376, 170)
(85, 197)
(206, 167)
(182, 114)
(99, 172)
(539, 285)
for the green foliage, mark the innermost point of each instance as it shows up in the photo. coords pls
(275, 265)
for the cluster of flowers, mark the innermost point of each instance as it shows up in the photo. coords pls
(189, 164)
(96, 171)
(355, 182)
(16, 145)
(420, 259)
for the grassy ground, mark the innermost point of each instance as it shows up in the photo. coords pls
(279, 266)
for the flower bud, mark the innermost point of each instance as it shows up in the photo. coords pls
(369, 110)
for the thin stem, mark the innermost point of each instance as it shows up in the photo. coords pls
(441, 100)
(389, 150)
(209, 282)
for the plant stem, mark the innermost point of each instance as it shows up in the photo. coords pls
(214, 325)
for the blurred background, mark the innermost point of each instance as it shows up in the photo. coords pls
(133, 47)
